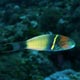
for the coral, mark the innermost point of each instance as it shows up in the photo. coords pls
(64, 75)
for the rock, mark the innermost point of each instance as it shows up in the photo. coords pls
(64, 75)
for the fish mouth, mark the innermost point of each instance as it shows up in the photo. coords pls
(72, 44)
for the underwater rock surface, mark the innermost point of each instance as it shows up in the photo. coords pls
(64, 75)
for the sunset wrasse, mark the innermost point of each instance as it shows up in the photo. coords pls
(46, 42)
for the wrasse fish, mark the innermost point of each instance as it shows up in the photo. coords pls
(46, 42)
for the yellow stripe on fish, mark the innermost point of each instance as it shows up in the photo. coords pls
(54, 42)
